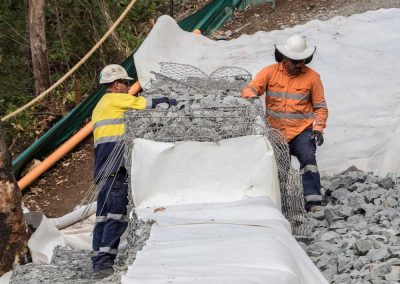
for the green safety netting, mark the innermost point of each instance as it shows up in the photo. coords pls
(208, 19)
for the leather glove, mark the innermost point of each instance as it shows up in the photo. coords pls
(161, 100)
(319, 138)
(253, 99)
(157, 101)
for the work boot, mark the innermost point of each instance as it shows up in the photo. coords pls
(316, 208)
(103, 273)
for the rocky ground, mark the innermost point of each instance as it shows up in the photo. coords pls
(356, 239)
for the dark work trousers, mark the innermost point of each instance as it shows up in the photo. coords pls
(303, 147)
(111, 220)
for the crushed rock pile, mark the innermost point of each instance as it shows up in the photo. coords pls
(67, 266)
(356, 238)
(71, 266)
(192, 95)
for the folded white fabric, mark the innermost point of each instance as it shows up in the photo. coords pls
(247, 241)
(203, 172)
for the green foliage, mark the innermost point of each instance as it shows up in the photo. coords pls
(15, 75)
(73, 27)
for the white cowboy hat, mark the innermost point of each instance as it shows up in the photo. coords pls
(296, 48)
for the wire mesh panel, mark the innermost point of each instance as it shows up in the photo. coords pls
(224, 78)
(212, 125)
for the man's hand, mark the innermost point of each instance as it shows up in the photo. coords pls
(319, 138)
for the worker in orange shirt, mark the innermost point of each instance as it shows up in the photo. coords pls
(295, 105)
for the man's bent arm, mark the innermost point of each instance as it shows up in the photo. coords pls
(257, 86)
(319, 105)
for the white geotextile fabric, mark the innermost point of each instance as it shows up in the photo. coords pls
(6, 277)
(257, 211)
(203, 172)
(43, 241)
(215, 208)
(78, 235)
(357, 57)
(65, 231)
(247, 241)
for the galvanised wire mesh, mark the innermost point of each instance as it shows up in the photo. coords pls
(224, 78)
(212, 111)
(213, 125)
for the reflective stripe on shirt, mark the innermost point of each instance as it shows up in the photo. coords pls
(320, 105)
(283, 95)
(290, 115)
(111, 121)
(108, 139)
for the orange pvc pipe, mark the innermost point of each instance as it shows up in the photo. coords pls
(64, 149)
(55, 156)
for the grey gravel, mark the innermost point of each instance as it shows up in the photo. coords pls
(67, 266)
(359, 237)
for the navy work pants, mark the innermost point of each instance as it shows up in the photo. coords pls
(111, 220)
(303, 147)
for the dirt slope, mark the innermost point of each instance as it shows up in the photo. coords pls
(62, 188)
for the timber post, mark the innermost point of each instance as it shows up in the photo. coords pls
(13, 228)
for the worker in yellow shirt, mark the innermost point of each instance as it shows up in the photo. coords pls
(108, 130)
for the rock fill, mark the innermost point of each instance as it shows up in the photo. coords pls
(356, 238)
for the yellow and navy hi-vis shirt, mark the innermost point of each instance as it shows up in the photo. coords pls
(108, 126)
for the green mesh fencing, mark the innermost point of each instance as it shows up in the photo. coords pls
(208, 19)
(211, 17)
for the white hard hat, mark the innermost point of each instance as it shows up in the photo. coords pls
(113, 72)
(296, 48)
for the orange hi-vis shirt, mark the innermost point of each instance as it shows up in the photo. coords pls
(293, 103)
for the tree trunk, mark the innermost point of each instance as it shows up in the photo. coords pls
(13, 229)
(117, 42)
(37, 38)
